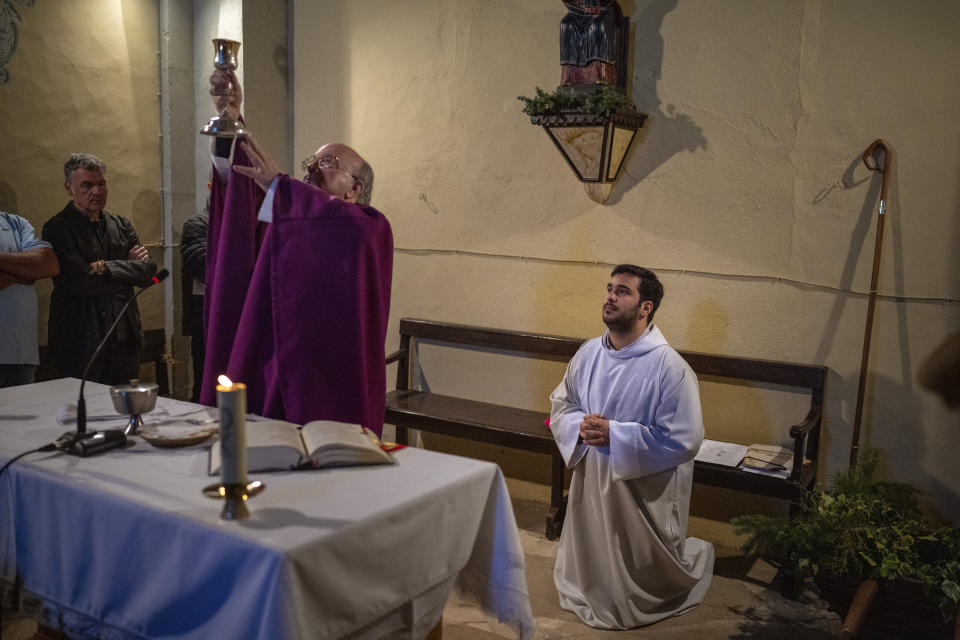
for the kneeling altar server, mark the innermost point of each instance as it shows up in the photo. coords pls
(627, 420)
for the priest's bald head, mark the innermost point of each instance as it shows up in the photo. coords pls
(334, 167)
(341, 172)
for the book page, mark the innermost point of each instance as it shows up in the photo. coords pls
(728, 454)
(332, 444)
(271, 445)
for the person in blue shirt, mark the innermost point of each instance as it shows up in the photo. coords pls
(24, 259)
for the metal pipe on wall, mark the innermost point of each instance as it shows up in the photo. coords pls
(166, 179)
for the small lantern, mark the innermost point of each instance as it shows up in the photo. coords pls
(594, 146)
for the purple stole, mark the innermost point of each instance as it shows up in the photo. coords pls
(303, 321)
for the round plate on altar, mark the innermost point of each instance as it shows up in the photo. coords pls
(177, 439)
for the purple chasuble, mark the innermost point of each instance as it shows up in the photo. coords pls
(306, 325)
(231, 256)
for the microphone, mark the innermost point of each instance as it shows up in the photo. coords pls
(79, 442)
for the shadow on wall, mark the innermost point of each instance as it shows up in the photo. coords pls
(281, 60)
(859, 241)
(144, 104)
(146, 213)
(8, 198)
(903, 445)
(666, 131)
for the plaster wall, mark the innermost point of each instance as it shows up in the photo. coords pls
(744, 191)
(266, 66)
(84, 78)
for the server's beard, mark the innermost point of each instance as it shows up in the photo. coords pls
(620, 323)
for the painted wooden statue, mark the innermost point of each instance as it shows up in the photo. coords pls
(591, 43)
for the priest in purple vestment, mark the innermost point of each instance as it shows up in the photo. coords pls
(298, 284)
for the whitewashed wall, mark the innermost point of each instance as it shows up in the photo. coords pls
(745, 192)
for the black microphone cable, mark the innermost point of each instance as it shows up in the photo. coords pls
(81, 402)
(68, 440)
(47, 447)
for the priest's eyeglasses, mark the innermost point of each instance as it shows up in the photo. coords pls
(313, 165)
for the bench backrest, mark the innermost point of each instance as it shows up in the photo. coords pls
(546, 346)
(562, 348)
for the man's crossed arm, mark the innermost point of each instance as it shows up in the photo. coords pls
(26, 267)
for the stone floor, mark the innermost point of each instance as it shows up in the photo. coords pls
(740, 603)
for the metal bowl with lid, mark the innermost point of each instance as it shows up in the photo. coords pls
(134, 399)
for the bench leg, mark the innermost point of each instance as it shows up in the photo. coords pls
(401, 434)
(789, 580)
(558, 503)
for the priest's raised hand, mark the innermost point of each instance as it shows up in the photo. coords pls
(227, 92)
(263, 169)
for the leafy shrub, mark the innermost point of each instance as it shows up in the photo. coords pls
(862, 529)
(603, 102)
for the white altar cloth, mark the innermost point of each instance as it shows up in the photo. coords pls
(125, 545)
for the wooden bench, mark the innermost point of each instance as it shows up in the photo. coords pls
(154, 350)
(524, 429)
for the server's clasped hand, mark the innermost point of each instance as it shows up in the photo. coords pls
(595, 430)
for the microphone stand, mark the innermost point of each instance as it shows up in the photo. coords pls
(79, 442)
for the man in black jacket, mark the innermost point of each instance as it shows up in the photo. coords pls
(101, 260)
(193, 253)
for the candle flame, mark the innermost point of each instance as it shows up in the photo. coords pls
(224, 381)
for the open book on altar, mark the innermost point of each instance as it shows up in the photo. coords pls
(275, 446)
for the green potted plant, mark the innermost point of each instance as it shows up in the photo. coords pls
(865, 534)
(602, 102)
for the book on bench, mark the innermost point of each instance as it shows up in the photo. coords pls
(727, 454)
(275, 445)
(769, 460)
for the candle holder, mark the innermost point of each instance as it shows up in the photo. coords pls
(235, 497)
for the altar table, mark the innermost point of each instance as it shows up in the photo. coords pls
(124, 545)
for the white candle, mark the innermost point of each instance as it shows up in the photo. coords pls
(232, 401)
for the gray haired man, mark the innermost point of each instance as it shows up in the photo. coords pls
(101, 260)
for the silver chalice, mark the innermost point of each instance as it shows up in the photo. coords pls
(224, 58)
(134, 399)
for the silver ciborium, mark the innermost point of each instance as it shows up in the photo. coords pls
(134, 399)
(225, 59)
